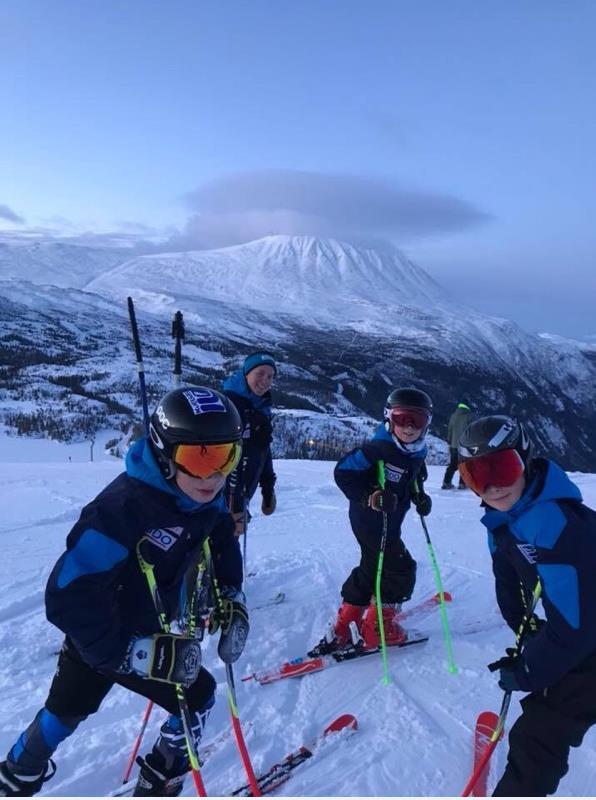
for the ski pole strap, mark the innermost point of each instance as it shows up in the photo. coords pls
(148, 572)
(195, 764)
(526, 623)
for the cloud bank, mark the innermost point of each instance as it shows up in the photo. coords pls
(245, 206)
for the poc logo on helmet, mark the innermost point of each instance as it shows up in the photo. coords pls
(161, 414)
(203, 401)
(505, 433)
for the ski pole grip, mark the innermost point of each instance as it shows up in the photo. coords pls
(381, 473)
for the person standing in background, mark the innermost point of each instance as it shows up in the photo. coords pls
(458, 422)
(249, 388)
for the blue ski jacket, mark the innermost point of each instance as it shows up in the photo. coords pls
(96, 593)
(356, 475)
(549, 535)
(256, 465)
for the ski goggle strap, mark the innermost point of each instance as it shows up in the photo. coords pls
(401, 416)
(502, 468)
(203, 460)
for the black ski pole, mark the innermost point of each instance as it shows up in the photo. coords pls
(178, 332)
(140, 367)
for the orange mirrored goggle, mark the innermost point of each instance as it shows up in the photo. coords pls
(203, 460)
(502, 468)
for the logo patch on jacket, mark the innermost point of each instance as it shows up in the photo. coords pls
(528, 551)
(165, 538)
(393, 473)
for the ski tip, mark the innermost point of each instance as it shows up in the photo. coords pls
(446, 595)
(344, 721)
(487, 718)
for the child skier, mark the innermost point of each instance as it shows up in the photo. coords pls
(249, 389)
(399, 444)
(157, 514)
(539, 530)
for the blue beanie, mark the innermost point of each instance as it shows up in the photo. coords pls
(256, 359)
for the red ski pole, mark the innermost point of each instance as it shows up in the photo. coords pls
(137, 744)
(496, 737)
(500, 726)
(250, 773)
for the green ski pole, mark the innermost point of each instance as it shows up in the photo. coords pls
(386, 678)
(439, 584)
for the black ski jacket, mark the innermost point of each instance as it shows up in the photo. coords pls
(549, 536)
(356, 475)
(256, 465)
(97, 594)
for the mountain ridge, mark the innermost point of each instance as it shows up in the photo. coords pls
(74, 362)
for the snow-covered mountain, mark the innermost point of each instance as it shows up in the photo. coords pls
(317, 279)
(347, 324)
(56, 263)
(586, 345)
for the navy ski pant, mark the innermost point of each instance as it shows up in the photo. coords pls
(77, 691)
(552, 721)
(398, 577)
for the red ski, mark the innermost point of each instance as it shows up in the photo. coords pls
(486, 725)
(424, 605)
(281, 772)
(304, 665)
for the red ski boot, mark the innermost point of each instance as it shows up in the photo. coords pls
(394, 633)
(339, 634)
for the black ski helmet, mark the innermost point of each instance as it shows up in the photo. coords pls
(191, 415)
(408, 397)
(491, 434)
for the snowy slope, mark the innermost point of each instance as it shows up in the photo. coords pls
(57, 263)
(414, 736)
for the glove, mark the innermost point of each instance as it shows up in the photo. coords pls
(423, 503)
(383, 500)
(269, 502)
(534, 626)
(507, 667)
(166, 657)
(231, 616)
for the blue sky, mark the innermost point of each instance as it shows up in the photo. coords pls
(463, 131)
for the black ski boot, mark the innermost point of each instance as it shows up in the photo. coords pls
(23, 785)
(154, 781)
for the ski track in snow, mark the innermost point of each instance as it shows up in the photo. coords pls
(414, 735)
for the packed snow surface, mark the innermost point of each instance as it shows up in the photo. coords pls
(414, 735)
